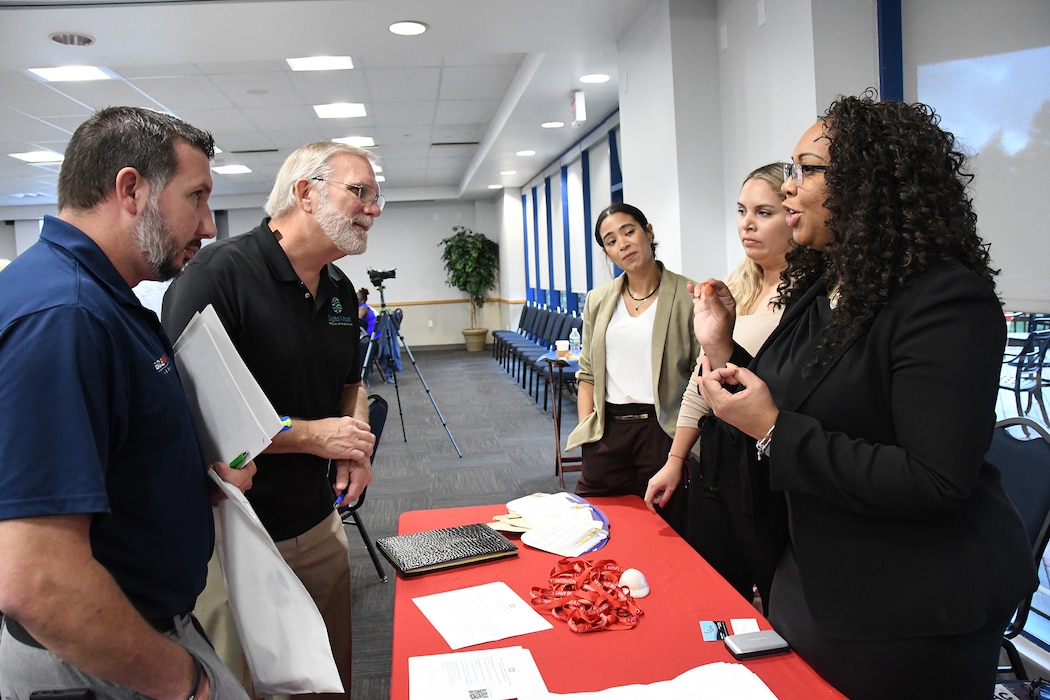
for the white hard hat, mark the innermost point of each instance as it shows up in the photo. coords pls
(634, 580)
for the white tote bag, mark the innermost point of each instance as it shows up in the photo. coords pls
(284, 637)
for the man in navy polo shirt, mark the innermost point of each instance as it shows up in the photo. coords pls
(293, 316)
(105, 519)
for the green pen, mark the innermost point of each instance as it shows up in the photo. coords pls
(238, 461)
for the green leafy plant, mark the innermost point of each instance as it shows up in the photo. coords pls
(472, 262)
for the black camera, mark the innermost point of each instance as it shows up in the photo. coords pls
(377, 276)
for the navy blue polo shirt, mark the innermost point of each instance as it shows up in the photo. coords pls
(95, 421)
(301, 348)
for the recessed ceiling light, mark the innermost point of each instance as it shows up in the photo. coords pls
(508, 172)
(72, 39)
(232, 169)
(525, 153)
(320, 63)
(340, 110)
(70, 73)
(38, 157)
(594, 78)
(380, 178)
(376, 168)
(408, 28)
(359, 141)
(552, 125)
(495, 187)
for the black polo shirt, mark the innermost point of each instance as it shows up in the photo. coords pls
(302, 350)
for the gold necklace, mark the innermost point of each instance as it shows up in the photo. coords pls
(627, 286)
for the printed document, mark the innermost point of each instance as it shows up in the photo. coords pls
(495, 674)
(480, 614)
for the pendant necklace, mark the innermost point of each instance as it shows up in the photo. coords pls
(627, 286)
(834, 298)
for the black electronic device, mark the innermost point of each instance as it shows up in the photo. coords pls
(377, 276)
(752, 644)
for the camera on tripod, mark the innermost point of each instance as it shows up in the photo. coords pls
(377, 276)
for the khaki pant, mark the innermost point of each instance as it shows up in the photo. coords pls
(320, 557)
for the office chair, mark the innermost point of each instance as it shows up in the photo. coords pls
(1024, 465)
(350, 514)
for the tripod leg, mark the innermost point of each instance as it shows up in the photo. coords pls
(415, 366)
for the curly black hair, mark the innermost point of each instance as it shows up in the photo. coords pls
(898, 204)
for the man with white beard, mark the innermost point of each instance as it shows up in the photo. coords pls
(105, 515)
(292, 315)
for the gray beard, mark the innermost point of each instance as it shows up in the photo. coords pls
(344, 231)
(157, 242)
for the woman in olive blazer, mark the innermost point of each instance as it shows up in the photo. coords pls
(645, 393)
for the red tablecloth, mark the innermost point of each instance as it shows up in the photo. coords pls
(667, 641)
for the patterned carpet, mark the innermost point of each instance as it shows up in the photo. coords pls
(507, 441)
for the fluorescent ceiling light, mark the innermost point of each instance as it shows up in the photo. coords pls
(380, 178)
(552, 125)
(232, 169)
(495, 187)
(70, 73)
(508, 172)
(377, 168)
(525, 153)
(408, 28)
(340, 110)
(320, 63)
(359, 141)
(38, 157)
(594, 78)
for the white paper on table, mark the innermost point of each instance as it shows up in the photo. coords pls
(743, 625)
(542, 508)
(567, 538)
(229, 408)
(494, 674)
(716, 681)
(480, 614)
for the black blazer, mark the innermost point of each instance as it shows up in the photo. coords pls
(899, 526)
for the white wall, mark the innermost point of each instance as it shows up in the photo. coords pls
(406, 238)
(670, 127)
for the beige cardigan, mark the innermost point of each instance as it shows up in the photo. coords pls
(674, 352)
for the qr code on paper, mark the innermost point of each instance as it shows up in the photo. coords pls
(480, 694)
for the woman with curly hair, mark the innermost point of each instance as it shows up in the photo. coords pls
(872, 405)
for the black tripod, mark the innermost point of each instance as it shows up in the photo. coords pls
(388, 327)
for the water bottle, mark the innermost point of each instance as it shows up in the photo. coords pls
(574, 342)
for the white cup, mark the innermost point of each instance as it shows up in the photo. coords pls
(561, 348)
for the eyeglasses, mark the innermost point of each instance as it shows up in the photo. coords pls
(366, 193)
(797, 171)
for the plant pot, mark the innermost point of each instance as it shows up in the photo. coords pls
(475, 338)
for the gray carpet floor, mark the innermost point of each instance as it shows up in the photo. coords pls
(507, 441)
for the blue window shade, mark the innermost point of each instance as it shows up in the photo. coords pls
(891, 51)
(530, 295)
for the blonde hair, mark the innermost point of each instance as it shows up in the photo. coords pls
(310, 161)
(745, 282)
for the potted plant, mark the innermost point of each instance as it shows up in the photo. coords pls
(471, 261)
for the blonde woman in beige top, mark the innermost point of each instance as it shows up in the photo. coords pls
(766, 239)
